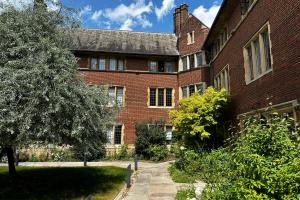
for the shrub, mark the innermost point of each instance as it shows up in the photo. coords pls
(123, 153)
(42, 153)
(147, 136)
(93, 152)
(158, 152)
(263, 164)
(180, 176)
(199, 119)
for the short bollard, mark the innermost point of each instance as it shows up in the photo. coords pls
(129, 176)
(135, 162)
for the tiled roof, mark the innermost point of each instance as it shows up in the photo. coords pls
(124, 42)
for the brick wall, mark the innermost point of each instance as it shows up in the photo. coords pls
(136, 84)
(193, 76)
(192, 24)
(283, 83)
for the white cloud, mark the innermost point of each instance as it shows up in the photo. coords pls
(167, 6)
(207, 15)
(18, 4)
(127, 25)
(96, 15)
(86, 10)
(53, 5)
(127, 16)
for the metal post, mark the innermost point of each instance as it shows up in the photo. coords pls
(135, 162)
(84, 159)
(129, 176)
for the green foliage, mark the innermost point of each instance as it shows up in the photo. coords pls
(199, 118)
(43, 98)
(158, 152)
(36, 153)
(180, 176)
(123, 153)
(185, 194)
(149, 135)
(93, 151)
(263, 164)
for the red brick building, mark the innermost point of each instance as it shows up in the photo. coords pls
(146, 72)
(252, 50)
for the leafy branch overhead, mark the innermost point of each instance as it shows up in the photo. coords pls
(43, 98)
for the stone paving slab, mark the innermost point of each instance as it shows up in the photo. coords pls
(153, 183)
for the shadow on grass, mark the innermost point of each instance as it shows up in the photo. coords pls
(62, 183)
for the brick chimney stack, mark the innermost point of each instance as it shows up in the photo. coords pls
(180, 16)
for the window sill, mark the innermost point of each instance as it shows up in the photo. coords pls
(162, 107)
(258, 77)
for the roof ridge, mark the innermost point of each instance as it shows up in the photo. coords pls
(94, 29)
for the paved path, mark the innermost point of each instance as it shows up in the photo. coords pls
(152, 180)
(153, 183)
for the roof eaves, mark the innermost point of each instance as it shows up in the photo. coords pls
(215, 21)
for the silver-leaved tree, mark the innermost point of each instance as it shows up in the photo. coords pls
(42, 95)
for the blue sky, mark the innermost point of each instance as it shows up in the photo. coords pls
(136, 15)
(139, 15)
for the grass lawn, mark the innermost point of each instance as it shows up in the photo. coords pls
(103, 183)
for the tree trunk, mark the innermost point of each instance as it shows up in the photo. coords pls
(11, 160)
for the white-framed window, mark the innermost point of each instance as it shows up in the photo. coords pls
(114, 134)
(200, 59)
(120, 65)
(222, 79)
(189, 90)
(102, 64)
(112, 64)
(219, 43)
(161, 97)
(153, 66)
(191, 37)
(93, 63)
(117, 96)
(257, 55)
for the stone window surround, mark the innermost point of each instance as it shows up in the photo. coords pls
(156, 96)
(180, 66)
(191, 38)
(230, 34)
(221, 77)
(257, 35)
(195, 84)
(113, 135)
(116, 90)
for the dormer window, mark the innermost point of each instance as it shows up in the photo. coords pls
(191, 37)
